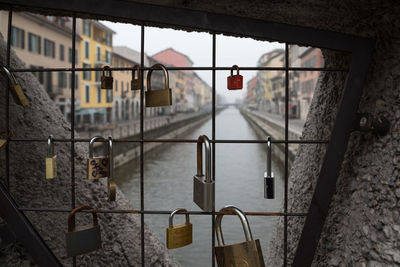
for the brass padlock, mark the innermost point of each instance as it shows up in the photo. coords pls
(112, 187)
(51, 164)
(204, 186)
(2, 142)
(97, 167)
(16, 90)
(179, 235)
(83, 239)
(136, 83)
(247, 253)
(107, 81)
(158, 98)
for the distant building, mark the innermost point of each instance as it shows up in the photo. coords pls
(251, 91)
(45, 42)
(96, 46)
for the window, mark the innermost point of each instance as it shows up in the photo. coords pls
(38, 75)
(61, 52)
(17, 37)
(98, 53)
(109, 96)
(87, 75)
(108, 56)
(108, 38)
(49, 48)
(87, 93)
(49, 82)
(98, 94)
(34, 43)
(62, 80)
(86, 49)
(76, 81)
(87, 28)
(116, 85)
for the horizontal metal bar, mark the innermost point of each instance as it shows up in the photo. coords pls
(221, 141)
(182, 68)
(154, 212)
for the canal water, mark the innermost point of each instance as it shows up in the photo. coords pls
(168, 184)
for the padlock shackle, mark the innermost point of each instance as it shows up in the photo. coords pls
(111, 157)
(171, 216)
(243, 219)
(107, 68)
(91, 143)
(50, 146)
(204, 139)
(10, 76)
(236, 67)
(71, 217)
(166, 76)
(135, 69)
(269, 158)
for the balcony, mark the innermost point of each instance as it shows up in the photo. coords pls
(103, 59)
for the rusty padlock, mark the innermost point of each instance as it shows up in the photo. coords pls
(158, 98)
(16, 90)
(107, 80)
(83, 239)
(235, 82)
(136, 83)
(179, 235)
(111, 185)
(246, 253)
(51, 164)
(97, 167)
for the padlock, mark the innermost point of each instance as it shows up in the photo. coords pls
(158, 98)
(51, 164)
(83, 239)
(269, 184)
(179, 235)
(136, 83)
(246, 253)
(16, 90)
(107, 81)
(204, 185)
(112, 187)
(235, 82)
(2, 142)
(97, 167)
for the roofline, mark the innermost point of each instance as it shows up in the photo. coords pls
(170, 48)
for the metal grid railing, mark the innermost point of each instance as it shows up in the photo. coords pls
(142, 211)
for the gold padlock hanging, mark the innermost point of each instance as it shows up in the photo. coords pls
(158, 98)
(16, 90)
(51, 164)
(247, 253)
(111, 185)
(179, 235)
(136, 83)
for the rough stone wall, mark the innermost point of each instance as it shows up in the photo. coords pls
(120, 232)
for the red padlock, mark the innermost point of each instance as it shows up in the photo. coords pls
(235, 82)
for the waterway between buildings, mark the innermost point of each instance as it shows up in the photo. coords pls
(168, 184)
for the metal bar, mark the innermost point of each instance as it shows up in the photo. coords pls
(285, 208)
(142, 145)
(326, 183)
(7, 97)
(214, 60)
(250, 213)
(24, 231)
(184, 68)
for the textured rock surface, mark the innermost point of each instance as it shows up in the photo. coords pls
(120, 232)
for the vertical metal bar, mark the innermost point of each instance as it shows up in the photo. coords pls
(72, 117)
(285, 218)
(8, 63)
(214, 41)
(142, 146)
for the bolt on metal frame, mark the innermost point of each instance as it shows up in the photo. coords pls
(142, 14)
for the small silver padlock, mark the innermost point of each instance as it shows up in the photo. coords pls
(136, 83)
(111, 185)
(269, 184)
(204, 185)
(97, 167)
(83, 239)
(51, 164)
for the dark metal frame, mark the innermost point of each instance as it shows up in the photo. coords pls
(145, 14)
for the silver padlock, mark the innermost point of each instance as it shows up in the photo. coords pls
(51, 164)
(204, 185)
(269, 184)
(97, 167)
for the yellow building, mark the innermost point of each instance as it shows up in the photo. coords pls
(95, 105)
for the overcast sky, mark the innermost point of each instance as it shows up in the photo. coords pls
(198, 47)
